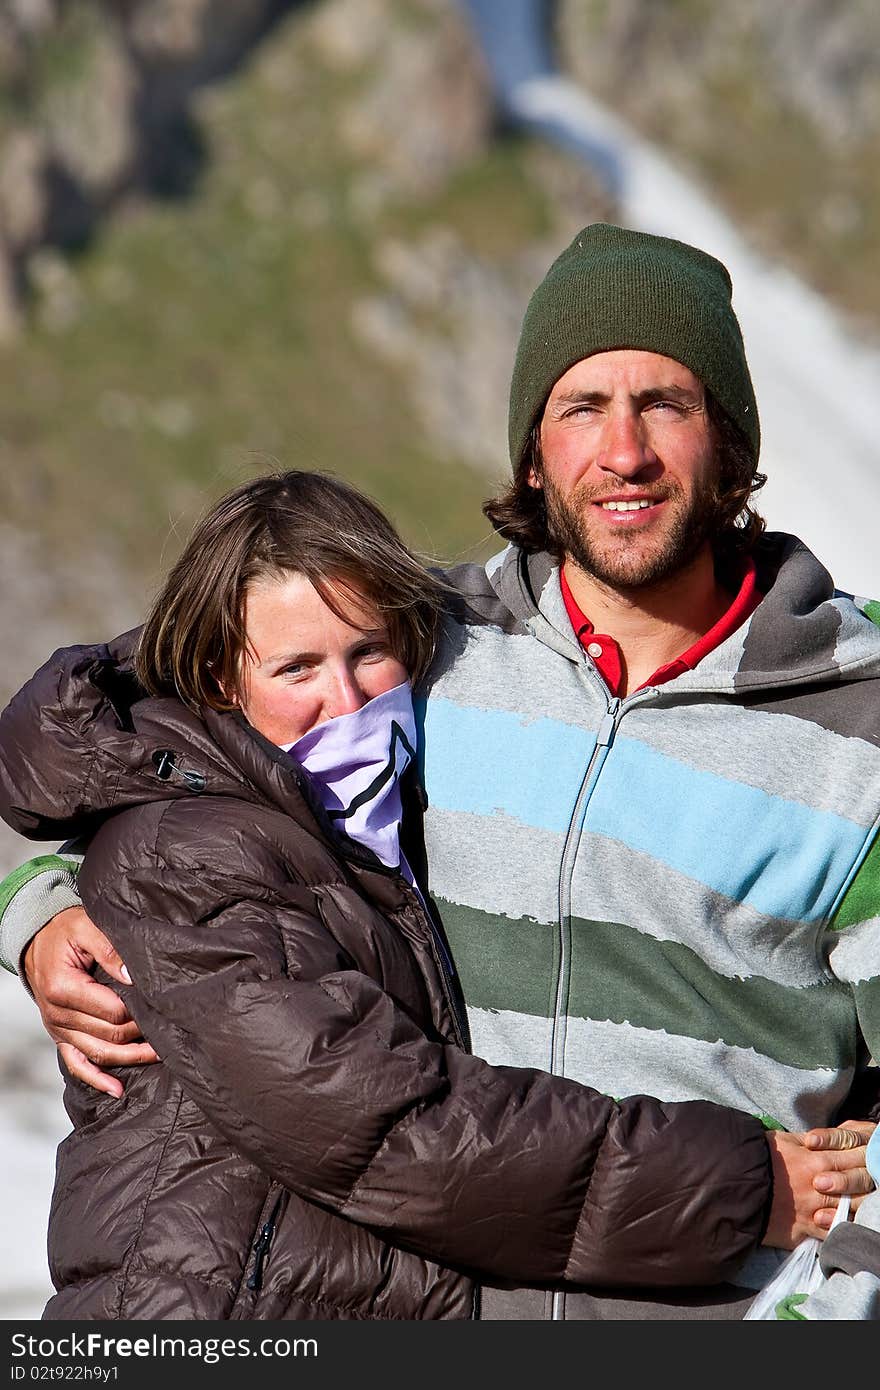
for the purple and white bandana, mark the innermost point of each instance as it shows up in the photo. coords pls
(355, 763)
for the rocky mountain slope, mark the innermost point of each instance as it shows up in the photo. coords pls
(331, 286)
(238, 232)
(775, 106)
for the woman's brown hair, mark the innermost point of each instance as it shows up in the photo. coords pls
(194, 640)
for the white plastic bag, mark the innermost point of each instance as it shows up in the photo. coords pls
(799, 1273)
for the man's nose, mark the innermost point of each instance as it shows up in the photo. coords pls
(625, 447)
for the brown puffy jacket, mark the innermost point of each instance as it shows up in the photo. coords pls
(318, 1142)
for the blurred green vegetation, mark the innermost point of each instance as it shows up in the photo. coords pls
(200, 341)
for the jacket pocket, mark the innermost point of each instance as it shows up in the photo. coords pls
(259, 1248)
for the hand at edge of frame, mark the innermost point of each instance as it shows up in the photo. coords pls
(831, 1161)
(853, 1180)
(87, 1020)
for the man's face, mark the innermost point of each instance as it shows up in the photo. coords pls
(630, 467)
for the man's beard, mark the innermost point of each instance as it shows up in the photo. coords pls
(626, 559)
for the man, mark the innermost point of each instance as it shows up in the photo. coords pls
(651, 754)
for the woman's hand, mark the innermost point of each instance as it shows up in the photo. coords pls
(87, 1020)
(828, 1161)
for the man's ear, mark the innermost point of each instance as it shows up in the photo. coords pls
(534, 475)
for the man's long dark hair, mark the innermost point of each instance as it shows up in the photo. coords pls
(519, 514)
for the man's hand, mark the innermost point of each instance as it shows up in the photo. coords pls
(87, 1020)
(830, 1161)
(852, 1135)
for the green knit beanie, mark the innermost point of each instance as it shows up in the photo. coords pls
(614, 288)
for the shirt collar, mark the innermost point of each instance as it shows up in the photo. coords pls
(607, 657)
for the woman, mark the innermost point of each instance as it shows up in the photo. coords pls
(318, 1142)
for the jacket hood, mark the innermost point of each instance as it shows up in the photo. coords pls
(804, 632)
(81, 740)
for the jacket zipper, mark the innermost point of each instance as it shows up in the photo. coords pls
(443, 961)
(261, 1247)
(447, 975)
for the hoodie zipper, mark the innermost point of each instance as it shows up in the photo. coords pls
(604, 740)
(607, 731)
(605, 736)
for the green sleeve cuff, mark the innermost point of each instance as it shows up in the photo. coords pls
(29, 897)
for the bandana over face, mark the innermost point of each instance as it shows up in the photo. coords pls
(355, 763)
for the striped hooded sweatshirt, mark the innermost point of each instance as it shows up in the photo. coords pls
(676, 893)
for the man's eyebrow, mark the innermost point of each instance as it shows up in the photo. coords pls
(664, 393)
(579, 396)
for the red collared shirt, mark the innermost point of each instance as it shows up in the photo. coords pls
(605, 652)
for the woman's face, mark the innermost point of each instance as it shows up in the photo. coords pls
(303, 664)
